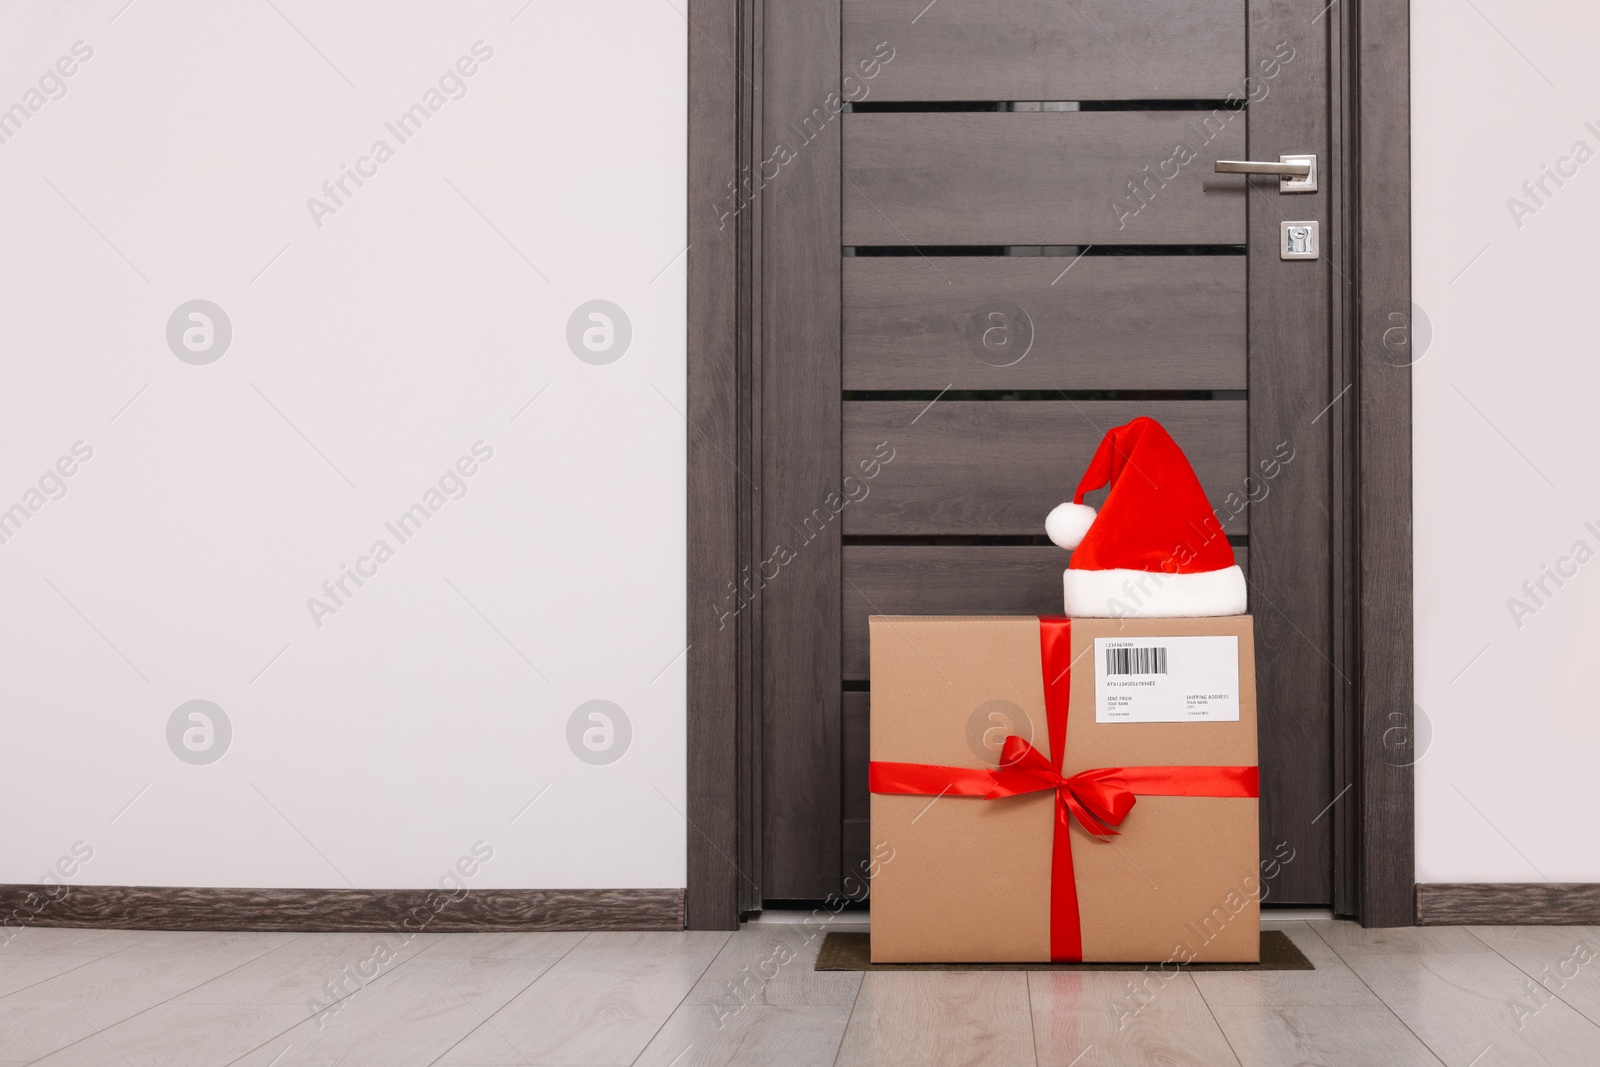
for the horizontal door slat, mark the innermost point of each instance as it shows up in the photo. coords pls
(1042, 178)
(1045, 49)
(1009, 322)
(997, 467)
(941, 580)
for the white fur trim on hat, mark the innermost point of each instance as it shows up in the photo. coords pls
(1067, 523)
(1119, 593)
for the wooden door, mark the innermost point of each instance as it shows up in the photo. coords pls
(989, 232)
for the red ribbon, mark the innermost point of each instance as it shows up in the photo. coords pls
(1099, 799)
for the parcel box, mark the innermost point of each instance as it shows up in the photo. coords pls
(1055, 789)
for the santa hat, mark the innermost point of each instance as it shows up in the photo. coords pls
(1156, 549)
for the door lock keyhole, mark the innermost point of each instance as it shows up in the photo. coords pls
(1298, 240)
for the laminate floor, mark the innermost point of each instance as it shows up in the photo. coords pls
(1460, 997)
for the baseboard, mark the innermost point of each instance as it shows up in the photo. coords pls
(416, 910)
(1508, 904)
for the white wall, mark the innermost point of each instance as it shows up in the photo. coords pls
(1504, 438)
(368, 354)
(377, 348)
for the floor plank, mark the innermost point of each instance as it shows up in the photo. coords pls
(31, 940)
(397, 1021)
(1565, 960)
(484, 1046)
(1116, 1019)
(1332, 983)
(486, 984)
(276, 979)
(295, 973)
(181, 1035)
(604, 1001)
(1350, 939)
(1468, 1004)
(356, 945)
(156, 969)
(37, 1021)
(773, 966)
(940, 1018)
(1344, 1036)
(535, 944)
(784, 1036)
(20, 972)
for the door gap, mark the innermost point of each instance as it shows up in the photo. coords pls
(1059, 251)
(971, 540)
(884, 107)
(1041, 394)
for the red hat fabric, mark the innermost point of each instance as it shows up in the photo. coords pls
(1156, 548)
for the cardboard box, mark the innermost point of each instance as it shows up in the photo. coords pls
(969, 879)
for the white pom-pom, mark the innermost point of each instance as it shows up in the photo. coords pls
(1067, 523)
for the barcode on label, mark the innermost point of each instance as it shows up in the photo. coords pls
(1136, 661)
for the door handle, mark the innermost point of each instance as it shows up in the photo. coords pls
(1296, 173)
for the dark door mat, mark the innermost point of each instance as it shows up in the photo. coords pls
(853, 952)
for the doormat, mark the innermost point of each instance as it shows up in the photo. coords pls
(853, 952)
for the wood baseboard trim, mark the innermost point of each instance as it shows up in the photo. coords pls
(338, 910)
(1508, 904)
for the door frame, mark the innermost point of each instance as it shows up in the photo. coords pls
(1369, 245)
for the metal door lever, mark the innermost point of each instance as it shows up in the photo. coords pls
(1250, 166)
(1296, 174)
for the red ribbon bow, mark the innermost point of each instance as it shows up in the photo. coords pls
(1099, 799)
(1103, 792)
